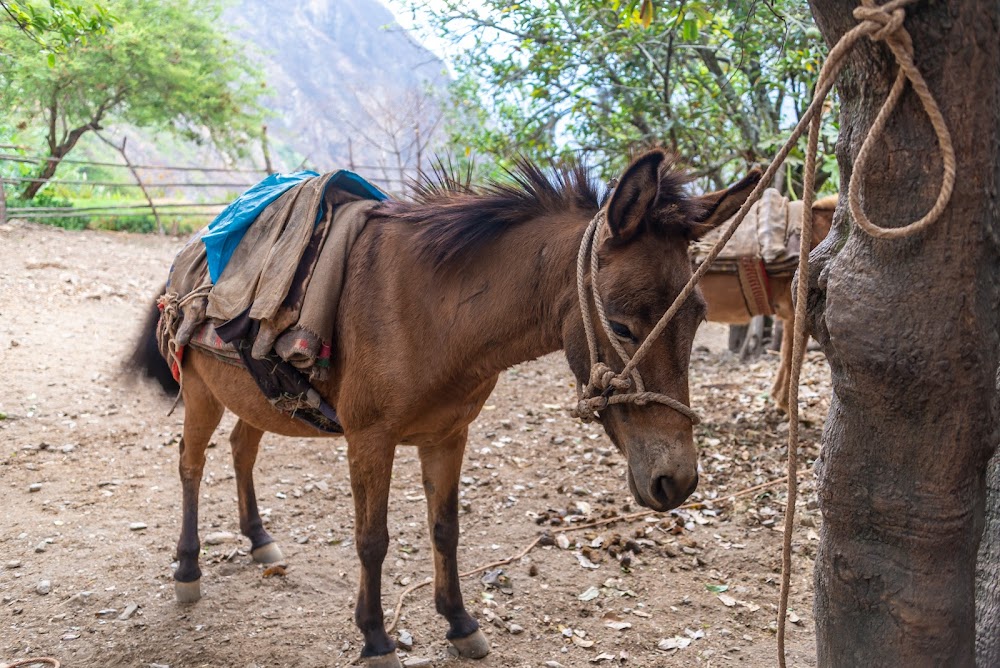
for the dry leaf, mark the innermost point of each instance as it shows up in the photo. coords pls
(618, 626)
(677, 642)
(278, 570)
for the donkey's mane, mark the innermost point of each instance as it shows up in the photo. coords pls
(457, 218)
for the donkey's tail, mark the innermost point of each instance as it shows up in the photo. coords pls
(146, 359)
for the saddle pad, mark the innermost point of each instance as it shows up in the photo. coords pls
(273, 309)
(768, 233)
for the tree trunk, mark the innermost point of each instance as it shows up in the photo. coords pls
(988, 573)
(753, 343)
(58, 151)
(41, 178)
(737, 335)
(911, 329)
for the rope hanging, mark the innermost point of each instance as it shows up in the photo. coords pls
(605, 387)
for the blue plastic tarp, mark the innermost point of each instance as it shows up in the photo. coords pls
(226, 231)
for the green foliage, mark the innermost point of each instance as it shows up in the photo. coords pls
(59, 24)
(718, 83)
(164, 66)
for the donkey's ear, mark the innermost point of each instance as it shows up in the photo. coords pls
(721, 205)
(635, 195)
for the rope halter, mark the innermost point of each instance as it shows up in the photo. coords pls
(605, 386)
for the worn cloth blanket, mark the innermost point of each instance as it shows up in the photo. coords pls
(275, 303)
(226, 231)
(770, 233)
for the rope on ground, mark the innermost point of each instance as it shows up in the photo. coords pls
(48, 660)
(579, 527)
(879, 23)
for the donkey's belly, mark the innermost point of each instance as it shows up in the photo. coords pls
(238, 392)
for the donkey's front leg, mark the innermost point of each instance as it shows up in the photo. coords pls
(370, 461)
(442, 465)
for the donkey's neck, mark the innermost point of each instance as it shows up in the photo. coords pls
(511, 299)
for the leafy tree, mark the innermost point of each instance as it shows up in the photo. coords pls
(164, 65)
(59, 24)
(716, 82)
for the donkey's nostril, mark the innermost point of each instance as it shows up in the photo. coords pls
(665, 490)
(670, 492)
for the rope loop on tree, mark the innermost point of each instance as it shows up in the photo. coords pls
(885, 23)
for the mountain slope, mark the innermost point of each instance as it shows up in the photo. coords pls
(333, 67)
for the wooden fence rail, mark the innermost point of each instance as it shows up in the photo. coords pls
(394, 179)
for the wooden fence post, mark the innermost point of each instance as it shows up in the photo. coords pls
(3, 202)
(266, 149)
(135, 175)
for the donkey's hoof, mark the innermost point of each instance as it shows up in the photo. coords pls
(267, 554)
(389, 660)
(187, 592)
(473, 646)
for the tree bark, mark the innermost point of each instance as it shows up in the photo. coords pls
(911, 329)
(988, 572)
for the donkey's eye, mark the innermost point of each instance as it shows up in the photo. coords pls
(622, 332)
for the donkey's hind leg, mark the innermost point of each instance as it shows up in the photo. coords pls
(245, 441)
(779, 391)
(202, 413)
(442, 465)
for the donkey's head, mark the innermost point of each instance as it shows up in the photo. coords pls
(643, 265)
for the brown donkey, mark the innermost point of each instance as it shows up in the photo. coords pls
(442, 295)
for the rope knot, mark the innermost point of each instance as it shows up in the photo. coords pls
(602, 378)
(891, 22)
(586, 409)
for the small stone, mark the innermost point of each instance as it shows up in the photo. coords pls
(417, 662)
(562, 541)
(137, 526)
(218, 537)
(68, 448)
(515, 629)
(404, 640)
(159, 665)
(43, 587)
(553, 664)
(14, 563)
(497, 579)
(127, 613)
(41, 547)
(302, 540)
(81, 597)
(35, 487)
(106, 612)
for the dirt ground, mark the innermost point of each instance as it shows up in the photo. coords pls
(91, 508)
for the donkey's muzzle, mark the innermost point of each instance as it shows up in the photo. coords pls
(664, 493)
